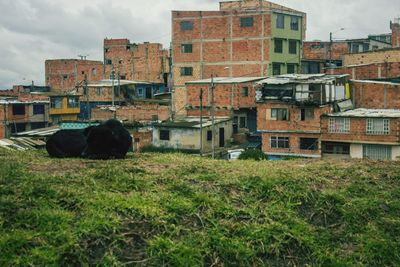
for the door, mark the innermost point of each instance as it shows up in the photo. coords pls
(148, 92)
(221, 137)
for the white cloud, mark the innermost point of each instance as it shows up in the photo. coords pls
(35, 30)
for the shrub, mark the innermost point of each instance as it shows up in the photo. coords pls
(154, 149)
(254, 154)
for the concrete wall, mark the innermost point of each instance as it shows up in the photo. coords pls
(189, 138)
(356, 151)
(386, 55)
(396, 152)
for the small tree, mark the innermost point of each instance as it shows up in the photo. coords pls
(254, 154)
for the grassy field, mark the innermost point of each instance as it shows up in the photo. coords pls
(180, 210)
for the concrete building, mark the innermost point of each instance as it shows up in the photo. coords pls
(289, 109)
(361, 133)
(185, 134)
(139, 62)
(64, 75)
(19, 116)
(63, 107)
(244, 38)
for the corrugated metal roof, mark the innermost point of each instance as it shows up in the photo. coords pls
(225, 80)
(14, 101)
(108, 83)
(192, 122)
(368, 113)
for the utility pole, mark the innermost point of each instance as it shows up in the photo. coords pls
(201, 122)
(86, 90)
(212, 117)
(119, 87)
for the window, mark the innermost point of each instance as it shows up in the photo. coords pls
(186, 25)
(18, 127)
(128, 48)
(279, 114)
(83, 72)
(279, 142)
(56, 102)
(186, 71)
(242, 122)
(122, 77)
(209, 135)
(38, 109)
(73, 102)
(245, 91)
(65, 77)
(99, 91)
(140, 91)
(117, 91)
(378, 126)
(339, 125)
(276, 69)
(278, 46)
(108, 61)
(335, 148)
(306, 114)
(164, 135)
(106, 50)
(294, 23)
(37, 125)
(309, 143)
(18, 109)
(377, 152)
(280, 21)
(292, 47)
(186, 48)
(94, 71)
(246, 22)
(291, 68)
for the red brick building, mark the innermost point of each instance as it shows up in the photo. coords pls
(375, 94)
(140, 62)
(361, 133)
(383, 70)
(289, 110)
(19, 115)
(395, 27)
(233, 97)
(63, 75)
(236, 41)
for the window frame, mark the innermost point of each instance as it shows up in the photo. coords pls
(305, 146)
(290, 65)
(185, 48)
(164, 135)
(303, 114)
(294, 25)
(18, 109)
(246, 22)
(35, 108)
(279, 142)
(371, 127)
(186, 25)
(245, 91)
(186, 71)
(292, 49)
(279, 114)
(280, 24)
(278, 48)
(339, 125)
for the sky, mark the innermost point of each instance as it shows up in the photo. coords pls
(35, 30)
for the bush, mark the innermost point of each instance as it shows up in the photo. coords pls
(254, 154)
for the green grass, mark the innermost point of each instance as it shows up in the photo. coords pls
(181, 210)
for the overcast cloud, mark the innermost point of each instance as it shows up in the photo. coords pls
(35, 30)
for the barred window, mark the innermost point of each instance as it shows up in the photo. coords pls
(339, 125)
(378, 126)
(279, 142)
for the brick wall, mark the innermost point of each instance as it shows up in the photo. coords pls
(378, 95)
(65, 74)
(395, 27)
(357, 134)
(142, 139)
(143, 62)
(320, 50)
(369, 71)
(2, 128)
(380, 56)
(294, 144)
(133, 113)
(264, 122)
(101, 94)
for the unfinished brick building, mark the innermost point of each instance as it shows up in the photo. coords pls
(289, 110)
(63, 75)
(375, 94)
(233, 97)
(140, 62)
(244, 38)
(395, 27)
(383, 70)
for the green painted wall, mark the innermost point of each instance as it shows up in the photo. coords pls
(285, 34)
